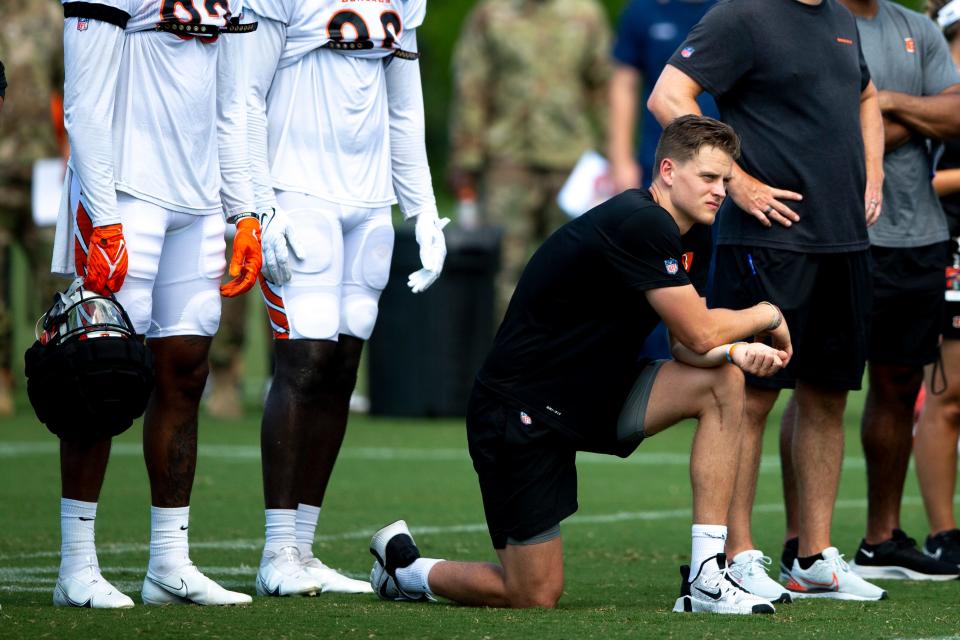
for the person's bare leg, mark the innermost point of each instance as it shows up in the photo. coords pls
(82, 469)
(935, 444)
(788, 423)
(885, 432)
(758, 404)
(527, 576)
(170, 422)
(817, 456)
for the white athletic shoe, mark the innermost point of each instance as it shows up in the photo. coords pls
(749, 571)
(712, 591)
(393, 548)
(187, 585)
(281, 574)
(831, 577)
(87, 588)
(332, 581)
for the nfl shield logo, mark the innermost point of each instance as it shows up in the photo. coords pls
(525, 419)
(82, 24)
(671, 266)
(686, 52)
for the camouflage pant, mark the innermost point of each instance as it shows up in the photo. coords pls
(523, 201)
(16, 227)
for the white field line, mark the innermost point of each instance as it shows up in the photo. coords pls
(768, 464)
(479, 527)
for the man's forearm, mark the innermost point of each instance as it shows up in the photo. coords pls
(623, 113)
(936, 117)
(871, 126)
(895, 135)
(947, 182)
(712, 358)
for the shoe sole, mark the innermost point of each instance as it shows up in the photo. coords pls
(835, 595)
(686, 604)
(899, 573)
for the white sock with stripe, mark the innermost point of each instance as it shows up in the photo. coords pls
(281, 529)
(169, 539)
(77, 544)
(708, 541)
(307, 517)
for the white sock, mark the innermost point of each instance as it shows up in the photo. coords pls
(307, 516)
(708, 541)
(281, 529)
(169, 546)
(413, 579)
(77, 548)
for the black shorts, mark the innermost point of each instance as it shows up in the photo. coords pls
(907, 304)
(825, 298)
(950, 329)
(527, 471)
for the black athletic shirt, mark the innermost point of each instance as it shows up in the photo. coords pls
(788, 77)
(568, 349)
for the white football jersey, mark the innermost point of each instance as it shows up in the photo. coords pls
(328, 112)
(165, 115)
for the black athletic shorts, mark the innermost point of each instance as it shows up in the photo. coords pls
(950, 328)
(527, 471)
(825, 298)
(907, 304)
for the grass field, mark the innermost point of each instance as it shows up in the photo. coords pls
(622, 548)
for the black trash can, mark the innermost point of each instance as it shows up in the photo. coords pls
(427, 348)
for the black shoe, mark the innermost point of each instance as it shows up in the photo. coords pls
(899, 559)
(791, 548)
(944, 546)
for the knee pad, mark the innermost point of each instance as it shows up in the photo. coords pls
(200, 316)
(137, 299)
(313, 314)
(359, 314)
(372, 264)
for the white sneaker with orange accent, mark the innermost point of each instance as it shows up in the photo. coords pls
(831, 577)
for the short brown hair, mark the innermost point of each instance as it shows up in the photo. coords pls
(933, 10)
(684, 137)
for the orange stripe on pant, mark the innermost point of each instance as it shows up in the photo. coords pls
(276, 310)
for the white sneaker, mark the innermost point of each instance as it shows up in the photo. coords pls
(831, 577)
(394, 548)
(187, 585)
(280, 574)
(749, 571)
(712, 591)
(87, 588)
(332, 581)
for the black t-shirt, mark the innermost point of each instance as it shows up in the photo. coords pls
(951, 203)
(568, 349)
(788, 77)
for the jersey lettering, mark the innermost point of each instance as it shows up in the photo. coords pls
(187, 11)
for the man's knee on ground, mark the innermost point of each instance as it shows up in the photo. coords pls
(543, 595)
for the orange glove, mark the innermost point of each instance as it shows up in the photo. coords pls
(106, 260)
(247, 259)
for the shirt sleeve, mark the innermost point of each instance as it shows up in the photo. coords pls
(697, 251)
(91, 68)
(646, 251)
(718, 51)
(630, 45)
(262, 54)
(414, 13)
(408, 149)
(236, 190)
(939, 71)
(864, 69)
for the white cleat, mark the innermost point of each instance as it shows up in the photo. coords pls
(187, 585)
(281, 574)
(712, 591)
(832, 578)
(87, 588)
(393, 548)
(749, 571)
(332, 581)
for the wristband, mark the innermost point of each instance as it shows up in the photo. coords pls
(776, 322)
(730, 349)
(234, 219)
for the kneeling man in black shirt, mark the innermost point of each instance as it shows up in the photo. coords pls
(564, 376)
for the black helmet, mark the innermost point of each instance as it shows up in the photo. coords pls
(89, 375)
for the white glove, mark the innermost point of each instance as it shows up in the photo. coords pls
(433, 250)
(277, 231)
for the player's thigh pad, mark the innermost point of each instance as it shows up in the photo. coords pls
(186, 295)
(310, 301)
(367, 251)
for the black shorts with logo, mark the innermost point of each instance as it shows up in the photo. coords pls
(908, 304)
(527, 470)
(825, 298)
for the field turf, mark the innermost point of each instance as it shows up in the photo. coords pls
(623, 547)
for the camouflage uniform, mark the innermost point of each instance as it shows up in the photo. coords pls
(530, 81)
(31, 47)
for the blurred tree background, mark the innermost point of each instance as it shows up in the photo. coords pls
(436, 40)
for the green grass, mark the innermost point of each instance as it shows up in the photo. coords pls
(622, 549)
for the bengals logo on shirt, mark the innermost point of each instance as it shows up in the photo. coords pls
(687, 260)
